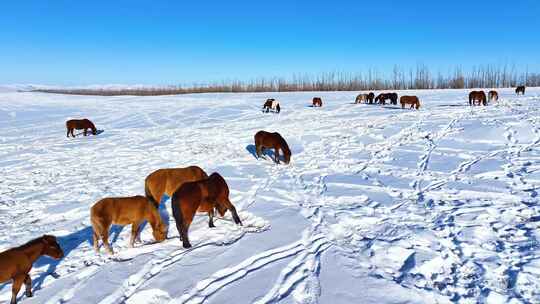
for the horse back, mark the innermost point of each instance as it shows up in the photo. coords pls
(121, 210)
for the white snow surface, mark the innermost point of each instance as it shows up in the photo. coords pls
(378, 205)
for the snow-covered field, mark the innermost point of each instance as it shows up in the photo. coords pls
(378, 205)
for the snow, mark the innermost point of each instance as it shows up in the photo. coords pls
(378, 204)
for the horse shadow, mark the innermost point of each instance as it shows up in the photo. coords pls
(265, 152)
(68, 243)
(90, 133)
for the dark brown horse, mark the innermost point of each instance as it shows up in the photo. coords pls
(381, 98)
(274, 140)
(124, 211)
(80, 124)
(520, 89)
(271, 104)
(166, 181)
(477, 98)
(201, 196)
(370, 97)
(317, 102)
(412, 100)
(493, 95)
(16, 263)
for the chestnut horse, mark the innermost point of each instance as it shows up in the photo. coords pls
(274, 140)
(361, 98)
(412, 100)
(166, 181)
(16, 263)
(520, 89)
(271, 104)
(493, 95)
(477, 96)
(124, 211)
(384, 96)
(80, 124)
(317, 102)
(201, 196)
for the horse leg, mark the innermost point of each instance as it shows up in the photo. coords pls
(105, 238)
(28, 285)
(211, 218)
(17, 283)
(67, 135)
(134, 233)
(276, 155)
(84, 132)
(258, 149)
(96, 242)
(72, 134)
(184, 235)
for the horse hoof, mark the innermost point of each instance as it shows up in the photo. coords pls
(187, 245)
(29, 294)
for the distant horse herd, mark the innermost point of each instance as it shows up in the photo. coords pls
(190, 189)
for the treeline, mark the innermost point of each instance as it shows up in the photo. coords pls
(415, 78)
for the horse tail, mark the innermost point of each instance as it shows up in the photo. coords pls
(149, 195)
(177, 213)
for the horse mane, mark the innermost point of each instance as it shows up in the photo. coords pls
(284, 144)
(31, 243)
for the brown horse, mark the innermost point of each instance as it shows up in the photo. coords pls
(381, 98)
(317, 102)
(16, 263)
(412, 100)
(493, 95)
(271, 104)
(201, 196)
(124, 211)
(520, 89)
(80, 124)
(274, 140)
(361, 98)
(477, 98)
(166, 181)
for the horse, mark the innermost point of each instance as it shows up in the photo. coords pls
(370, 97)
(274, 140)
(201, 196)
(166, 181)
(361, 98)
(477, 96)
(520, 89)
(317, 102)
(381, 98)
(132, 210)
(271, 104)
(16, 263)
(412, 100)
(80, 124)
(493, 95)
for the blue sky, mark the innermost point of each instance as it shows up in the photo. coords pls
(171, 42)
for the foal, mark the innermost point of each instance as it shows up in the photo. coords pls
(16, 263)
(412, 100)
(80, 124)
(201, 196)
(274, 140)
(124, 211)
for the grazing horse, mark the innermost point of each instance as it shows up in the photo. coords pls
(80, 124)
(166, 181)
(384, 96)
(477, 98)
(274, 140)
(520, 89)
(201, 196)
(16, 263)
(317, 102)
(493, 95)
(370, 97)
(361, 98)
(124, 211)
(412, 100)
(271, 104)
